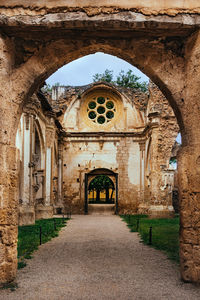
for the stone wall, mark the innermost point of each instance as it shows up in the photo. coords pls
(128, 158)
(148, 7)
(81, 158)
(145, 130)
(164, 132)
(36, 40)
(36, 142)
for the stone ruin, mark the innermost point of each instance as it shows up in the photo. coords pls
(162, 39)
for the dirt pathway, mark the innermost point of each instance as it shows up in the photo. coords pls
(96, 257)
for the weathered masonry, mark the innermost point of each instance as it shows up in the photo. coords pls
(160, 38)
(127, 132)
(78, 133)
(37, 159)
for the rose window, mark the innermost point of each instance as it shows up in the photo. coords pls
(101, 110)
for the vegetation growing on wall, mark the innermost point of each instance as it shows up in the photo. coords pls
(128, 79)
(124, 79)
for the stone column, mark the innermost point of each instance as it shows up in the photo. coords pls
(77, 117)
(189, 191)
(48, 176)
(159, 205)
(44, 211)
(143, 207)
(126, 119)
(8, 212)
(189, 165)
(26, 208)
(26, 159)
(60, 173)
(8, 180)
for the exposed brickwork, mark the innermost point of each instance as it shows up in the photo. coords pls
(128, 192)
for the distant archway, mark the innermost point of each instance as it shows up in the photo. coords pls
(112, 177)
(101, 190)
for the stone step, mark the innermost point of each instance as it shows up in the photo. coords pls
(101, 209)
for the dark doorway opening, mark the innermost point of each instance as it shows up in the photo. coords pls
(101, 187)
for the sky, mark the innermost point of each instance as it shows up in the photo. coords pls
(81, 71)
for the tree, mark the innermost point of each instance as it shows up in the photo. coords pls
(128, 79)
(106, 76)
(101, 183)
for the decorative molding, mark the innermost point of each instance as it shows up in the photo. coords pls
(50, 136)
(142, 145)
(27, 120)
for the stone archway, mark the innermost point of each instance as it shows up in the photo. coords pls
(91, 175)
(167, 49)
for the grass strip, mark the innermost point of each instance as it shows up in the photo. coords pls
(165, 233)
(29, 237)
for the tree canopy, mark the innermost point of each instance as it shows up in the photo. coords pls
(101, 182)
(125, 79)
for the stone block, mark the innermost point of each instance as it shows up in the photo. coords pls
(8, 271)
(196, 255)
(187, 268)
(11, 158)
(2, 253)
(26, 215)
(9, 235)
(43, 212)
(186, 218)
(160, 211)
(185, 251)
(143, 208)
(11, 253)
(8, 217)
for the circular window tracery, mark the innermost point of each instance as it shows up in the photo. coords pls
(92, 115)
(101, 120)
(101, 110)
(92, 105)
(110, 114)
(109, 104)
(101, 100)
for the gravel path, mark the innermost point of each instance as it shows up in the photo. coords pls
(96, 257)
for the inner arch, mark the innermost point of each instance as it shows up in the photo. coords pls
(58, 53)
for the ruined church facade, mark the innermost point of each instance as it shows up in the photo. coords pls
(161, 38)
(67, 138)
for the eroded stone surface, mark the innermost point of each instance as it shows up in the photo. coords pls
(168, 7)
(167, 50)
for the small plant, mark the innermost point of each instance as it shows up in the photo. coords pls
(125, 79)
(21, 264)
(11, 285)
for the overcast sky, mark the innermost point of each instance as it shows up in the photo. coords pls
(81, 71)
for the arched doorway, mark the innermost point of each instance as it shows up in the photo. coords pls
(168, 52)
(100, 180)
(101, 190)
